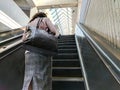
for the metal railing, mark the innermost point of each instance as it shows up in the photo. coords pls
(110, 64)
(9, 40)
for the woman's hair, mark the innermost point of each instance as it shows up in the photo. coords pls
(39, 14)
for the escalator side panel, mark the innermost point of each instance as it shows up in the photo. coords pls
(12, 71)
(99, 77)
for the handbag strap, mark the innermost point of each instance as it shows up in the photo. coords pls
(39, 21)
(28, 27)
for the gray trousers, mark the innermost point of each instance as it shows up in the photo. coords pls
(37, 71)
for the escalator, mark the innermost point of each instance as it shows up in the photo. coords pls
(76, 67)
(66, 71)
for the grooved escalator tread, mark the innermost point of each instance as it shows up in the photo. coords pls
(67, 72)
(66, 56)
(66, 63)
(66, 50)
(66, 85)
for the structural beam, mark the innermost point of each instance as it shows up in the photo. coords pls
(33, 11)
(31, 3)
(55, 3)
(13, 14)
(74, 18)
(78, 11)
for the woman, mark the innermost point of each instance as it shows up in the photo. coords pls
(37, 65)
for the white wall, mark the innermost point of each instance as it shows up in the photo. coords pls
(103, 17)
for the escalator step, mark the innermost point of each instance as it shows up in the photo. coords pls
(67, 43)
(76, 79)
(67, 72)
(66, 46)
(67, 36)
(66, 85)
(66, 56)
(66, 64)
(65, 50)
(73, 68)
(76, 59)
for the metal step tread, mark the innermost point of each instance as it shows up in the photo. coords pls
(67, 43)
(67, 72)
(67, 46)
(66, 68)
(76, 79)
(76, 59)
(66, 39)
(66, 49)
(66, 64)
(67, 54)
(68, 85)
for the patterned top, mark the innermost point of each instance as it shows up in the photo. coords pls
(44, 24)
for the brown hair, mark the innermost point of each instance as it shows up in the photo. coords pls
(39, 14)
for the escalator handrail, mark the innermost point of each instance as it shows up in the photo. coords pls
(96, 45)
(9, 39)
(21, 28)
(13, 50)
(18, 44)
(82, 64)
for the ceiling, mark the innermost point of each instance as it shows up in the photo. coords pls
(63, 13)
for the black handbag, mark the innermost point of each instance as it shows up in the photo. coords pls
(40, 39)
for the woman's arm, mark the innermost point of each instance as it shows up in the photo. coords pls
(24, 36)
(24, 33)
(52, 27)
